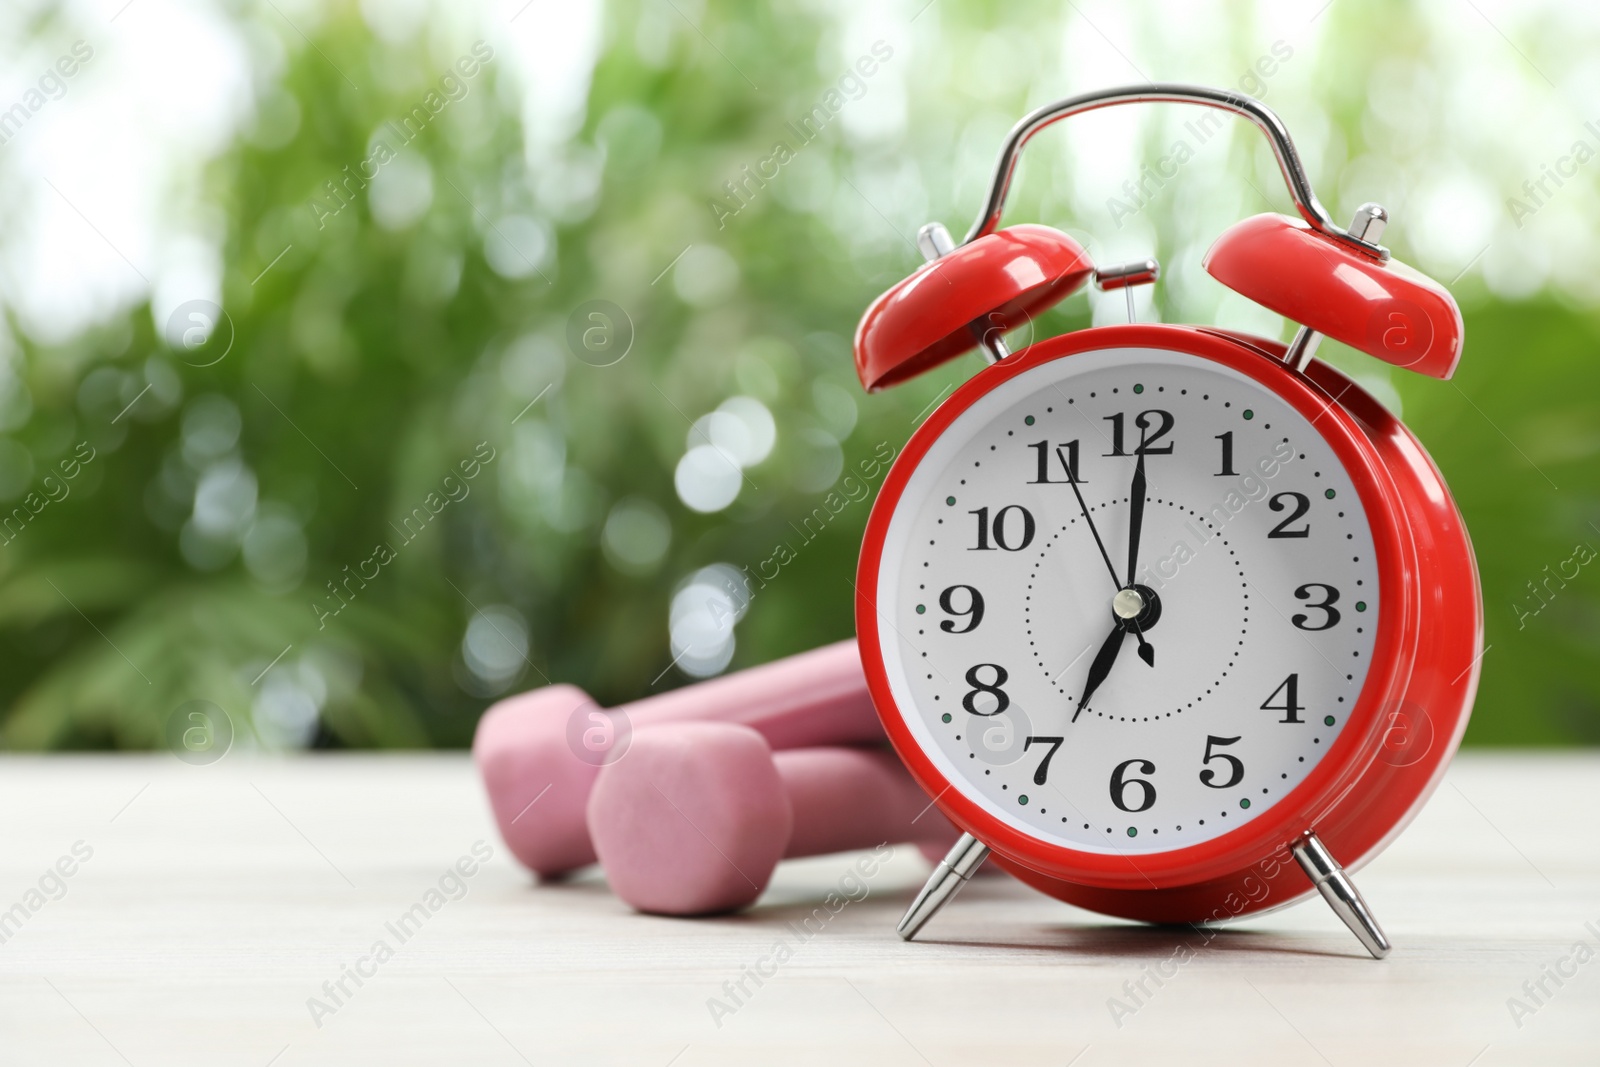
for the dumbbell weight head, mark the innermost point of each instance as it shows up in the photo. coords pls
(698, 815)
(537, 784)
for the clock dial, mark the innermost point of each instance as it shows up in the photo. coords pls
(1131, 603)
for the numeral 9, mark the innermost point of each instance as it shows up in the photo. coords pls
(973, 611)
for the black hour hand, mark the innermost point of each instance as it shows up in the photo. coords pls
(1101, 667)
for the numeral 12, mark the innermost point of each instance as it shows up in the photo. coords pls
(1147, 436)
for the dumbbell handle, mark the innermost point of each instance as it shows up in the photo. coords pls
(812, 698)
(539, 784)
(853, 798)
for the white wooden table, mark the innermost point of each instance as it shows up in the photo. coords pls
(218, 900)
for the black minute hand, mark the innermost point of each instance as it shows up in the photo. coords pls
(1073, 481)
(1136, 495)
(1135, 516)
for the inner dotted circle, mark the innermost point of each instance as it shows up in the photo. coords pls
(1055, 676)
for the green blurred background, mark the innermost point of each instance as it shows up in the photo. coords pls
(437, 315)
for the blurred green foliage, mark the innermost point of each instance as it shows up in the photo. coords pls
(377, 355)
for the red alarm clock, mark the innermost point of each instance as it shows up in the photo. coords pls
(1149, 609)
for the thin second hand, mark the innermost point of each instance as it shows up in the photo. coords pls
(1099, 543)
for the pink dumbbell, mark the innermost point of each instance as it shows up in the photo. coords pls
(539, 752)
(697, 817)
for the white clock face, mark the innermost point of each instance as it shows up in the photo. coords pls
(1235, 660)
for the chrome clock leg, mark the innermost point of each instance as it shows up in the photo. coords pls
(964, 857)
(1340, 893)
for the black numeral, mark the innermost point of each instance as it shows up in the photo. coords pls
(1291, 700)
(1147, 436)
(1326, 606)
(1067, 454)
(1235, 765)
(1302, 504)
(1120, 785)
(1043, 773)
(1227, 470)
(1002, 702)
(973, 611)
(1001, 531)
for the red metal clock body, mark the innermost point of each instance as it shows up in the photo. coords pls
(1410, 714)
(1390, 731)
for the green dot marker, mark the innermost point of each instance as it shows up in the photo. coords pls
(1133, 831)
(1248, 414)
(1329, 494)
(1327, 720)
(921, 608)
(1361, 605)
(1028, 420)
(1138, 388)
(1244, 802)
(945, 716)
(950, 500)
(1022, 799)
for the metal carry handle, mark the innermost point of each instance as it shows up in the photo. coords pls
(1294, 173)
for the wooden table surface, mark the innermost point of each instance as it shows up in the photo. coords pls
(207, 907)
